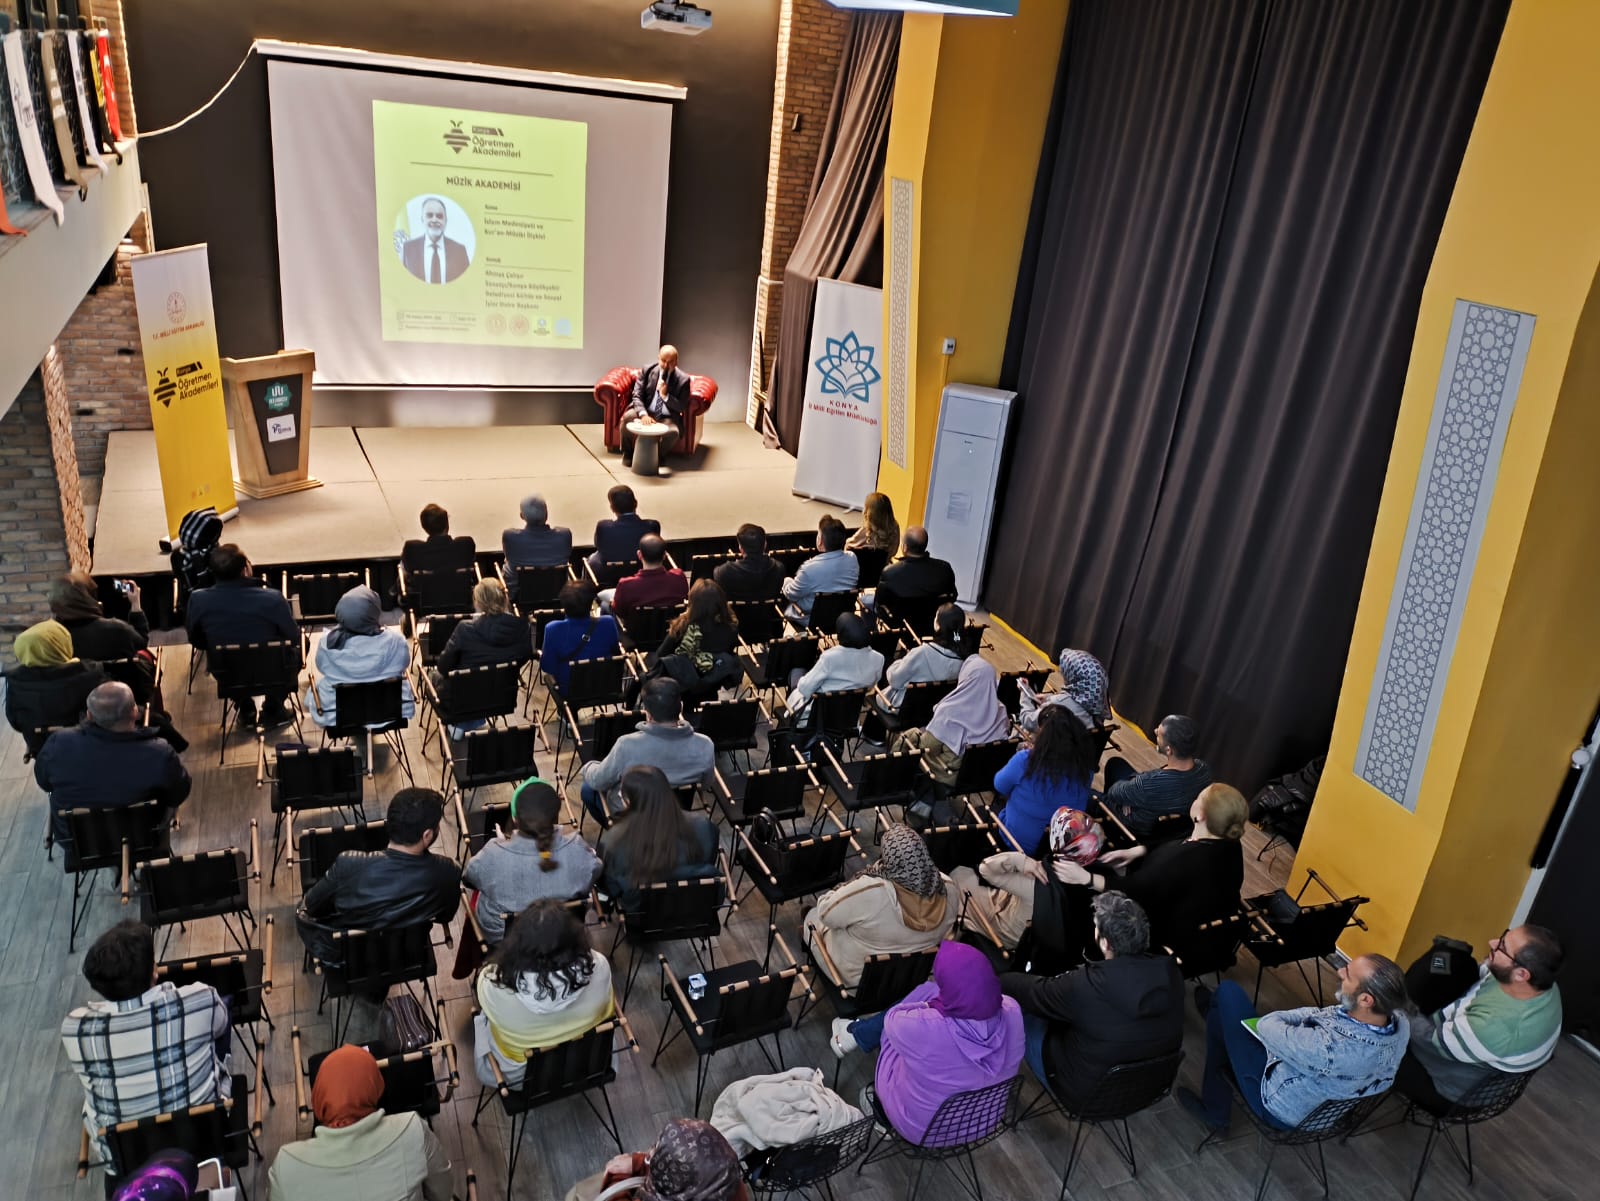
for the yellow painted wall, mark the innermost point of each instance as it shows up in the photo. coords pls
(1523, 232)
(972, 95)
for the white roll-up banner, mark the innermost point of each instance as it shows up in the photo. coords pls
(44, 188)
(841, 425)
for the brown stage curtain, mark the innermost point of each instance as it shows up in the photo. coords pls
(842, 234)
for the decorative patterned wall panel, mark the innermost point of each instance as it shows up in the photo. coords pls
(1472, 407)
(902, 206)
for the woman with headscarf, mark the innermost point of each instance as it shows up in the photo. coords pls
(1054, 770)
(1084, 693)
(358, 651)
(48, 687)
(970, 715)
(1003, 889)
(951, 1035)
(357, 1150)
(901, 903)
(691, 1161)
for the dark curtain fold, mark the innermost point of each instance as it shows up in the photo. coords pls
(841, 236)
(1212, 537)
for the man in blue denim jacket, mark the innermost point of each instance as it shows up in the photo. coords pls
(1298, 1058)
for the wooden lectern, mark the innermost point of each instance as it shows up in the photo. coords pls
(269, 402)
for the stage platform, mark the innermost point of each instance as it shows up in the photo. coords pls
(375, 481)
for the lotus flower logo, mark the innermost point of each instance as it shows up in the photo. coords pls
(457, 138)
(847, 368)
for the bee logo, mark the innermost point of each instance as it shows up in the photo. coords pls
(457, 138)
(165, 389)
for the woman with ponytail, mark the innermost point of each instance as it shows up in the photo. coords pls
(537, 860)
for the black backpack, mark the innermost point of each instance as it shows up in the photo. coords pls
(1442, 974)
(1282, 805)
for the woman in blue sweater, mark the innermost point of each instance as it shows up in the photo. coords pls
(1054, 772)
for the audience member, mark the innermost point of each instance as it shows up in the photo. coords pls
(356, 1149)
(953, 1034)
(170, 1175)
(1180, 884)
(937, 659)
(405, 884)
(241, 609)
(663, 740)
(917, 575)
(654, 839)
(698, 651)
(831, 569)
(537, 543)
(542, 986)
(1508, 1021)
(1084, 688)
(901, 903)
(1139, 798)
(494, 635)
(438, 551)
(970, 715)
(358, 651)
(1005, 888)
(49, 686)
(879, 530)
(1292, 1061)
(754, 575)
(579, 634)
(108, 762)
(539, 860)
(660, 396)
(616, 538)
(690, 1162)
(1054, 771)
(148, 1047)
(1123, 1008)
(653, 584)
(850, 663)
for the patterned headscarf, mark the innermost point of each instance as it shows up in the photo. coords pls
(47, 644)
(1083, 678)
(360, 614)
(903, 859)
(1076, 836)
(691, 1162)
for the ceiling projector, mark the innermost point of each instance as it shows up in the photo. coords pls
(675, 16)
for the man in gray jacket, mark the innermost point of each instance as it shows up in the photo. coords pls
(662, 740)
(831, 569)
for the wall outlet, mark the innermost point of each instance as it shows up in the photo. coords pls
(949, 346)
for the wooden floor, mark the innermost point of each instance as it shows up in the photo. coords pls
(1541, 1149)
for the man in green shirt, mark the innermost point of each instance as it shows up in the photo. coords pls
(1509, 1021)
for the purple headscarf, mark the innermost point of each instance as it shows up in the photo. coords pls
(968, 987)
(971, 712)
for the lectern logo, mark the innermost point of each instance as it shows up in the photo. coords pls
(177, 308)
(277, 397)
(165, 389)
(457, 138)
(847, 368)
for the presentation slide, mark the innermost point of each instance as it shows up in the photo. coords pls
(437, 231)
(480, 226)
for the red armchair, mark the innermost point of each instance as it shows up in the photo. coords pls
(615, 391)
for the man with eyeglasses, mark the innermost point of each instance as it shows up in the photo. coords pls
(1509, 1021)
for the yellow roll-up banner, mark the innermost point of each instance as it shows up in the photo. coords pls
(178, 330)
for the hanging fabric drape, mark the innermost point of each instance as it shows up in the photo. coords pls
(841, 236)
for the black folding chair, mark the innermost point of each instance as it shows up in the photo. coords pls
(731, 725)
(740, 1003)
(114, 838)
(914, 613)
(432, 634)
(770, 666)
(244, 671)
(704, 567)
(646, 626)
(591, 684)
(243, 979)
(674, 911)
(789, 867)
(1125, 1090)
(980, 763)
(885, 979)
(537, 587)
(482, 824)
(370, 708)
(870, 562)
(369, 962)
(780, 791)
(313, 597)
(418, 1081)
(1330, 1120)
(1210, 946)
(1488, 1099)
(309, 778)
(1287, 932)
(471, 694)
(964, 843)
(574, 1068)
(216, 1130)
(1011, 694)
(492, 755)
(960, 1125)
(917, 708)
(423, 593)
(874, 782)
(179, 889)
(836, 716)
(608, 575)
(811, 1164)
(827, 608)
(319, 847)
(759, 621)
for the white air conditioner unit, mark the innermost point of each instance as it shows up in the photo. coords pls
(675, 16)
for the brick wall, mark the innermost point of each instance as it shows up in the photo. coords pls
(104, 368)
(41, 508)
(109, 12)
(811, 36)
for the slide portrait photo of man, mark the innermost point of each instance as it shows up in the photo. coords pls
(435, 257)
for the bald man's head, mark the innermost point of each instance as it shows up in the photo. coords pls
(111, 706)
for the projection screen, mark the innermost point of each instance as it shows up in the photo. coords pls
(454, 232)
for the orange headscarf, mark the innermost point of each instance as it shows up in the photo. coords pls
(348, 1087)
